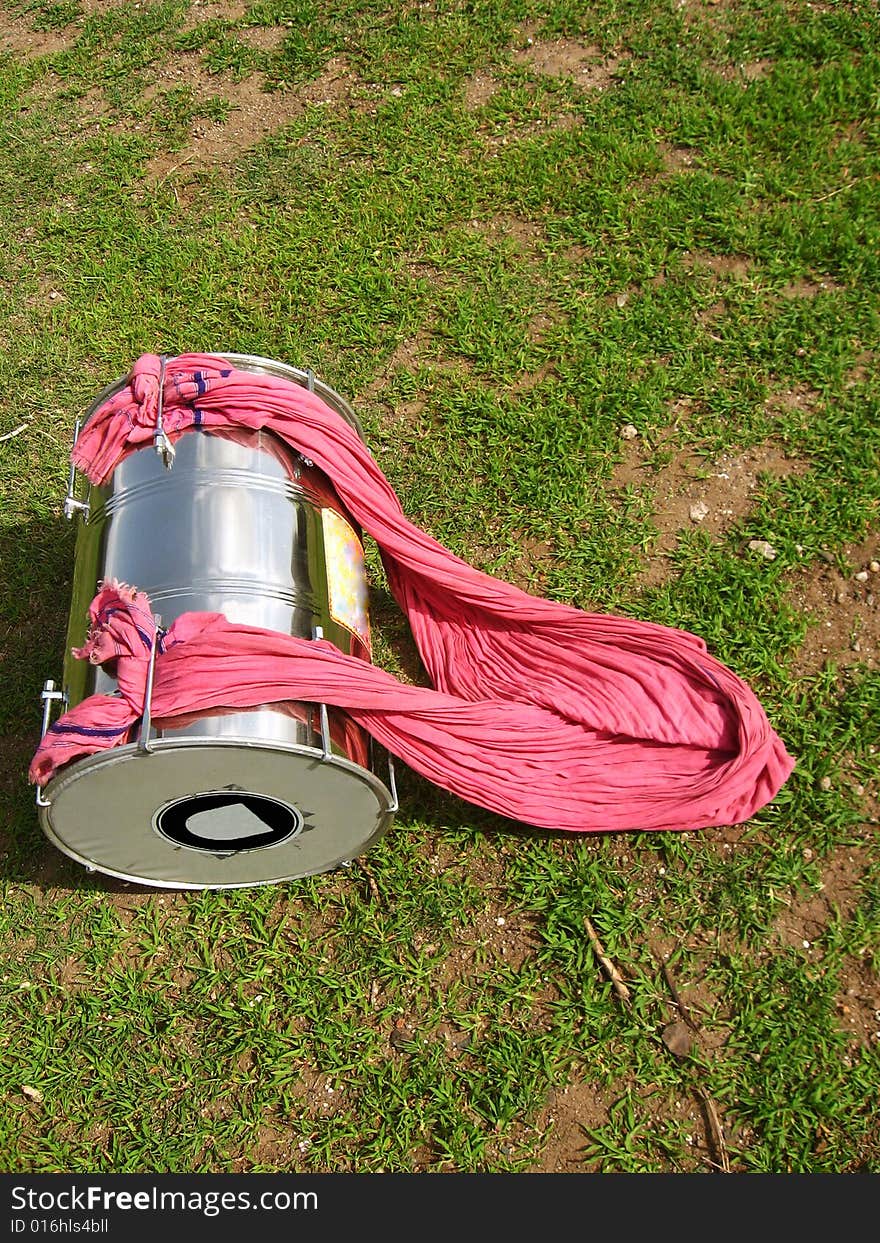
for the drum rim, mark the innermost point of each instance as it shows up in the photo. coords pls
(259, 365)
(119, 755)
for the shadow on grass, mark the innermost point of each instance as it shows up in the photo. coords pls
(37, 565)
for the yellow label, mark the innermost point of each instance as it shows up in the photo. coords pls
(346, 575)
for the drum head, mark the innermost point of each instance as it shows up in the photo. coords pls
(193, 814)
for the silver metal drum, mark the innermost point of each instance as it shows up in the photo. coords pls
(241, 525)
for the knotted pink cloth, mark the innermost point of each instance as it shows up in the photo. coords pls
(543, 713)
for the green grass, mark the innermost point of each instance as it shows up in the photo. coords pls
(498, 284)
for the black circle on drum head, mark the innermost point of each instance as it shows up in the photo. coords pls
(226, 821)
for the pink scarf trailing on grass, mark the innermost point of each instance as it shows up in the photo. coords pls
(541, 712)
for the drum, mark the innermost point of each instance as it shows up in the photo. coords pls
(242, 525)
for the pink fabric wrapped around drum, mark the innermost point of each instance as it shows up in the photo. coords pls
(552, 716)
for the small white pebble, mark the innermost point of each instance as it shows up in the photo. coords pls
(699, 511)
(806, 945)
(862, 576)
(825, 783)
(500, 921)
(808, 854)
(629, 431)
(859, 791)
(763, 547)
(874, 567)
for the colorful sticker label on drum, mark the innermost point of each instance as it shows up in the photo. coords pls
(346, 575)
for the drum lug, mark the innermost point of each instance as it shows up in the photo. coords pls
(72, 504)
(49, 696)
(143, 742)
(392, 784)
(162, 444)
(323, 714)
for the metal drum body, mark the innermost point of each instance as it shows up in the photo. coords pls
(241, 525)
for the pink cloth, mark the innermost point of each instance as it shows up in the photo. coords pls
(544, 713)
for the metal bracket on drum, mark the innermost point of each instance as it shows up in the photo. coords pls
(72, 504)
(326, 753)
(162, 444)
(392, 785)
(323, 714)
(49, 696)
(307, 461)
(143, 742)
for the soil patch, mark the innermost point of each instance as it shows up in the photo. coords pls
(527, 236)
(584, 64)
(676, 159)
(842, 608)
(254, 112)
(748, 71)
(264, 38)
(571, 1113)
(18, 37)
(690, 492)
(478, 90)
(735, 266)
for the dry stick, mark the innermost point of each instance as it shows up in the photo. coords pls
(676, 997)
(174, 169)
(838, 190)
(715, 1129)
(16, 431)
(371, 881)
(613, 974)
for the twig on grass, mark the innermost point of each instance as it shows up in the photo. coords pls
(677, 998)
(614, 975)
(371, 881)
(716, 1133)
(174, 169)
(16, 431)
(838, 190)
(715, 1129)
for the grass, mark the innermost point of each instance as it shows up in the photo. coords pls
(499, 280)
